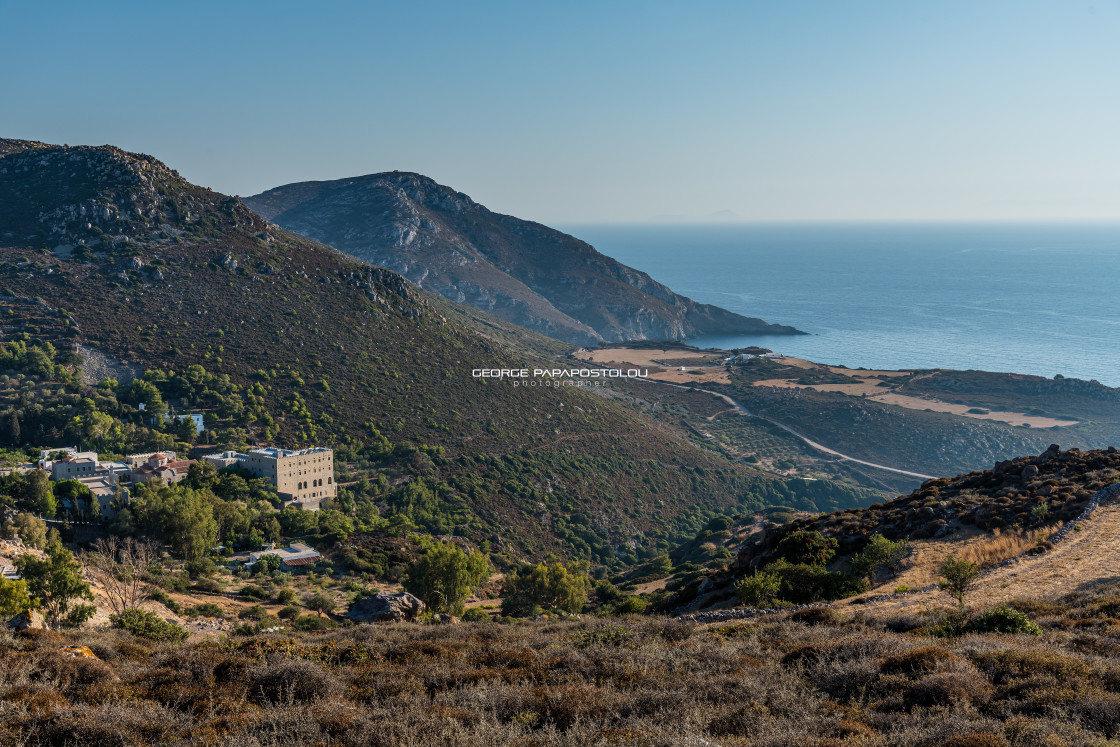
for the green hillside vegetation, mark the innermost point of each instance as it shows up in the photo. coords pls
(755, 442)
(471, 496)
(282, 340)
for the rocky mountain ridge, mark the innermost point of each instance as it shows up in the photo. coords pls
(516, 270)
(104, 196)
(162, 275)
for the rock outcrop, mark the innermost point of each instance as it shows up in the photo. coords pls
(386, 607)
(30, 620)
(59, 196)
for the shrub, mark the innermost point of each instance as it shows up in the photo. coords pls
(14, 598)
(975, 739)
(145, 624)
(476, 614)
(161, 596)
(256, 612)
(208, 585)
(948, 689)
(719, 523)
(293, 680)
(266, 564)
(78, 615)
(810, 653)
(1104, 607)
(552, 586)
(286, 596)
(253, 592)
(802, 583)
(207, 609)
(319, 602)
(1014, 662)
(631, 605)
(201, 568)
(759, 589)
(921, 659)
(611, 635)
(659, 567)
(948, 624)
(313, 622)
(880, 553)
(958, 576)
(289, 613)
(816, 616)
(445, 576)
(807, 547)
(1003, 619)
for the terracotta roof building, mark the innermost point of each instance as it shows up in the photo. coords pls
(293, 556)
(160, 467)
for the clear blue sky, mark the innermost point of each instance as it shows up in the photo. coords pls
(600, 111)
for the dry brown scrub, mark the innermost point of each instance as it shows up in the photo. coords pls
(810, 679)
(1004, 545)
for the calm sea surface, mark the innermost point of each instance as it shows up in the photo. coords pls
(1038, 299)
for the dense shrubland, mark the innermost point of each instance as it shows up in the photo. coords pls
(812, 679)
(397, 487)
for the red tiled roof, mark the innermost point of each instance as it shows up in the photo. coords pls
(300, 561)
(179, 465)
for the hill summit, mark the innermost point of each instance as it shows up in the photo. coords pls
(516, 270)
(127, 270)
(51, 196)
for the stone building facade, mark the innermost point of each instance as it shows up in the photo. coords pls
(303, 477)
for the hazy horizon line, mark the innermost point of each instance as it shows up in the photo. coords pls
(1102, 221)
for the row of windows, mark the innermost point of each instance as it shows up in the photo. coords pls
(314, 483)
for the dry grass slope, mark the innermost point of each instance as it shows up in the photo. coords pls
(803, 679)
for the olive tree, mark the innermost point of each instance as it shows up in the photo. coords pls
(57, 583)
(958, 576)
(547, 585)
(445, 576)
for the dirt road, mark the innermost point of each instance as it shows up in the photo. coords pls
(813, 444)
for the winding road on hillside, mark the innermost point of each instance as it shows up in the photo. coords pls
(813, 444)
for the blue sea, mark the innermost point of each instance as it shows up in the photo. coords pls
(1036, 299)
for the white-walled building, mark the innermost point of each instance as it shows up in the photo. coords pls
(225, 459)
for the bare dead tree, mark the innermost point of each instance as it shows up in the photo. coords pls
(120, 567)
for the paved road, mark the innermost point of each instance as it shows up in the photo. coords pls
(743, 411)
